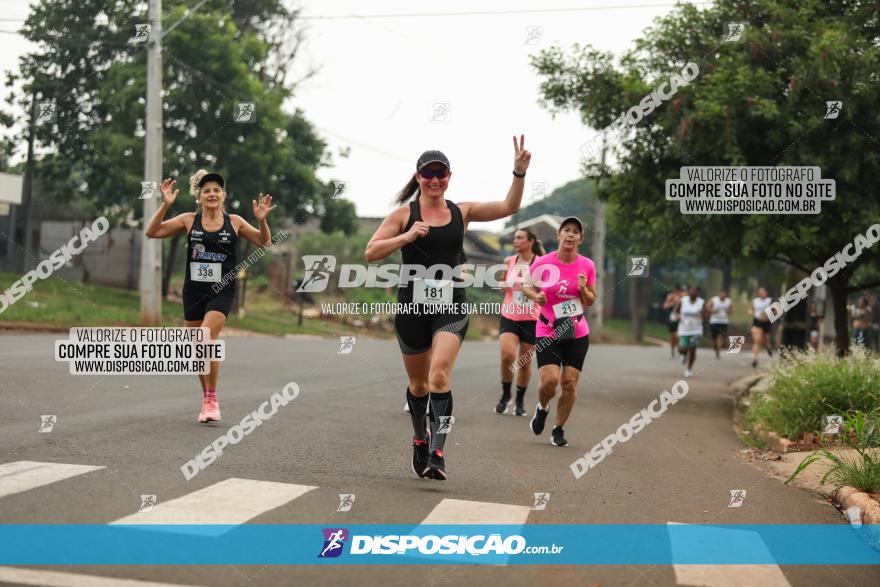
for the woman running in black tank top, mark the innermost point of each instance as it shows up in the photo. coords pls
(430, 231)
(209, 287)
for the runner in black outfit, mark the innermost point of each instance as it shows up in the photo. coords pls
(209, 286)
(430, 231)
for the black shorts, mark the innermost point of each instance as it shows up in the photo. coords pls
(567, 352)
(415, 332)
(524, 329)
(197, 304)
(762, 324)
(718, 329)
(673, 326)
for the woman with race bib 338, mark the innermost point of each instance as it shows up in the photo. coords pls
(209, 285)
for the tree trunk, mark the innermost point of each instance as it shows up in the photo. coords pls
(637, 309)
(726, 276)
(838, 289)
(169, 263)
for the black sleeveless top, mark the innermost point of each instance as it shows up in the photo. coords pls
(210, 258)
(443, 245)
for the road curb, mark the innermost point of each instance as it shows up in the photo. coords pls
(848, 497)
(845, 497)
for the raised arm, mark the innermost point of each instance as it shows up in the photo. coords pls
(487, 211)
(263, 236)
(156, 227)
(389, 237)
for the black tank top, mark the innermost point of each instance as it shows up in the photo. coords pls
(210, 258)
(443, 245)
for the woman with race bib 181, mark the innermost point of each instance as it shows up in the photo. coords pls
(562, 332)
(429, 233)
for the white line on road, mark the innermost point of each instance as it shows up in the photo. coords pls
(729, 575)
(233, 501)
(20, 476)
(459, 511)
(55, 579)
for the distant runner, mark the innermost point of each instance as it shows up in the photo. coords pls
(760, 324)
(720, 308)
(690, 327)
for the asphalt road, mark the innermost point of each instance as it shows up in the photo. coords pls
(347, 433)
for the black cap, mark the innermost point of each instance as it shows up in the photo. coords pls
(212, 177)
(429, 157)
(574, 219)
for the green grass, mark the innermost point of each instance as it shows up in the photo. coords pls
(861, 470)
(806, 386)
(619, 330)
(65, 304)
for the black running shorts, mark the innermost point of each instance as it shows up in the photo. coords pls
(718, 329)
(524, 329)
(197, 304)
(762, 324)
(415, 332)
(567, 352)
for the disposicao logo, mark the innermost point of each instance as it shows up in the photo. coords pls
(334, 541)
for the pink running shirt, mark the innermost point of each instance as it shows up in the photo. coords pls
(563, 289)
(510, 308)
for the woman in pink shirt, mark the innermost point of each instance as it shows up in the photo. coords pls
(518, 317)
(564, 285)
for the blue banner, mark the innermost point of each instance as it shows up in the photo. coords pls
(375, 544)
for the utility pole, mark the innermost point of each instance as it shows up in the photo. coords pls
(23, 211)
(151, 249)
(599, 248)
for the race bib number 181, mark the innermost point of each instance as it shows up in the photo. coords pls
(432, 291)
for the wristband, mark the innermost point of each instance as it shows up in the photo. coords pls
(518, 174)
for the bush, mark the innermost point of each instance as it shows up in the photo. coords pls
(807, 386)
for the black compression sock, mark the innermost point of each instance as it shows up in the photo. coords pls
(505, 389)
(520, 394)
(441, 418)
(418, 408)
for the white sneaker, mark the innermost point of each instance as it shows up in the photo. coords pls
(688, 372)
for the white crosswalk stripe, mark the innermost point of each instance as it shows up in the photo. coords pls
(459, 511)
(21, 476)
(729, 575)
(56, 579)
(233, 501)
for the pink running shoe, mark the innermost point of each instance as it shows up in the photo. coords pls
(202, 417)
(212, 411)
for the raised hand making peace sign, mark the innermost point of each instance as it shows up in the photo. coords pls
(522, 156)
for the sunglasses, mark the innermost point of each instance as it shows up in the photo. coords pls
(432, 173)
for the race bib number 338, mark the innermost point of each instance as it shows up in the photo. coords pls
(204, 272)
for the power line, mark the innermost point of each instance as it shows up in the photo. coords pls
(493, 12)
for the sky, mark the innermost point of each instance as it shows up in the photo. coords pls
(400, 77)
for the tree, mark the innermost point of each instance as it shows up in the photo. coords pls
(216, 57)
(758, 102)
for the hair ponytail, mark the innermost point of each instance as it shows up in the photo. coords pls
(412, 187)
(537, 246)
